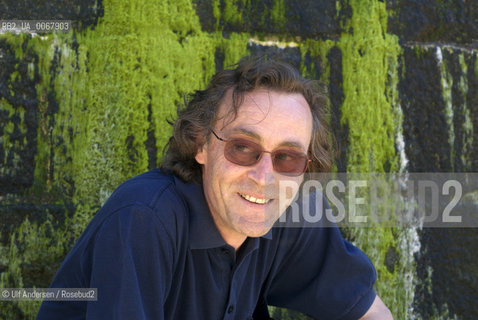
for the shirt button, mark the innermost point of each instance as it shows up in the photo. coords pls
(230, 309)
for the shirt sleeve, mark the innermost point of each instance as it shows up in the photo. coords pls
(322, 275)
(128, 256)
(131, 266)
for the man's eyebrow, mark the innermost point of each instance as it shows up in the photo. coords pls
(248, 133)
(293, 144)
(253, 135)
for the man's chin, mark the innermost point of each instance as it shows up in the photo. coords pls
(256, 235)
(258, 232)
(256, 225)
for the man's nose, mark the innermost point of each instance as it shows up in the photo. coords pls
(263, 171)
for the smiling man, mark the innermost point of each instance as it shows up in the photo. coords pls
(243, 199)
(195, 239)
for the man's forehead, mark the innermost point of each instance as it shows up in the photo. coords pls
(256, 105)
(266, 114)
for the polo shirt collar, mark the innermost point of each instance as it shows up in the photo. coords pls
(203, 233)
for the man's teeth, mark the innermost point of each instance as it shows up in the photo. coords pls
(255, 200)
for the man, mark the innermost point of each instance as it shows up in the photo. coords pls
(194, 240)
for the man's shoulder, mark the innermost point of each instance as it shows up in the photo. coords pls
(146, 189)
(144, 207)
(153, 196)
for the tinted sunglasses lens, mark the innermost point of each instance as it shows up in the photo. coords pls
(247, 153)
(242, 152)
(289, 162)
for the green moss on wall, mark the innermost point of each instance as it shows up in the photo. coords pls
(141, 60)
(317, 49)
(369, 54)
(446, 86)
(234, 47)
(231, 13)
(6, 132)
(14, 105)
(369, 58)
(454, 89)
(278, 14)
(216, 12)
(476, 68)
(467, 138)
(33, 251)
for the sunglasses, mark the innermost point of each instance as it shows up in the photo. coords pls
(246, 153)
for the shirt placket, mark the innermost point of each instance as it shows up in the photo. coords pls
(229, 255)
(237, 262)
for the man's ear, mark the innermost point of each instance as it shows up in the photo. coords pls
(201, 153)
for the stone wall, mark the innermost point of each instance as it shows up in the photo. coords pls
(82, 111)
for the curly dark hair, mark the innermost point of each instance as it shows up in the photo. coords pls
(192, 127)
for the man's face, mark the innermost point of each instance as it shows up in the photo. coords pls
(244, 200)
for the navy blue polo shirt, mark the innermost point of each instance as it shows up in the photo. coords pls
(154, 252)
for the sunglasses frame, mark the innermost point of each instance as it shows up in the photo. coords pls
(227, 156)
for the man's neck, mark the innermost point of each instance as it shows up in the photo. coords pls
(234, 241)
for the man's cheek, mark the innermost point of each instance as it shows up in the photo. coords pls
(288, 192)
